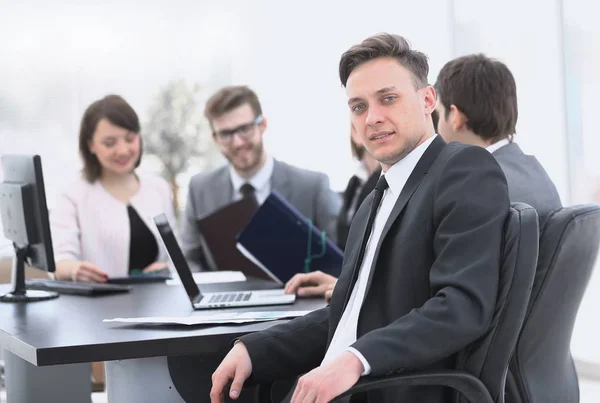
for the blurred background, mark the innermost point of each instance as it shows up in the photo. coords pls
(167, 57)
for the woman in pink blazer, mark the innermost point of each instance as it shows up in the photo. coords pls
(102, 224)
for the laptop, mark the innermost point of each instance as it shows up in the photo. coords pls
(229, 299)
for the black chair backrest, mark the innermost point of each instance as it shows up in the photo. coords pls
(542, 369)
(489, 357)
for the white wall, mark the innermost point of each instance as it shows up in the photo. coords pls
(526, 36)
(57, 57)
(290, 52)
(583, 86)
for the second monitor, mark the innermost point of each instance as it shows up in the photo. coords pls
(25, 222)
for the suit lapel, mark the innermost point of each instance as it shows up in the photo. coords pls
(412, 184)
(280, 180)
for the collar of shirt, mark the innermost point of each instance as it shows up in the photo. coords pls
(497, 145)
(399, 173)
(260, 180)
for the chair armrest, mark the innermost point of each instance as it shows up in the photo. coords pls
(466, 384)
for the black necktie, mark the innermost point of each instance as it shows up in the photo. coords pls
(247, 190)
(380, 188)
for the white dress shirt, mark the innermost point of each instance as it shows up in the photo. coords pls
(497, 145)
(261, 181)
(345, 333)
(89, 224)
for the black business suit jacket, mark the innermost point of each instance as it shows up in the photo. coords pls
(343, 223)
(432, 288)
(528, 181)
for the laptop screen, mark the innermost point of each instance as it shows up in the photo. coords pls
(176, 256)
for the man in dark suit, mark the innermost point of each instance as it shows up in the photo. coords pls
(421, 267)
(477, 104)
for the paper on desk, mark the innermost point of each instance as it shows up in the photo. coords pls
(218, 318)
(211, 277)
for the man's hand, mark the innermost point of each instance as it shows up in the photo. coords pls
(236, 366)
(327, 382)
(313, 284)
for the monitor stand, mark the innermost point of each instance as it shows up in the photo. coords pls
(20, 293)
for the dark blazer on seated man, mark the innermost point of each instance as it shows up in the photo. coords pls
(528, 181)
(477, 104)
(236, 118)
(420, 273)
(432, 286)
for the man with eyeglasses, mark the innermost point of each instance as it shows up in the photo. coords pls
(238, 125)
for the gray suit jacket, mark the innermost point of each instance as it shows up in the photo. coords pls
(306, 190)
(528, 181)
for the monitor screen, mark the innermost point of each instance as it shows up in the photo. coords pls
(23, 209)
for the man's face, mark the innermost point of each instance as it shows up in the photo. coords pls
(238, 134)
(389, 114)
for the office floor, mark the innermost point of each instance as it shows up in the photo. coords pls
(590, 393)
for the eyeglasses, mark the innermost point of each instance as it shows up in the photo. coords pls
(245, 131)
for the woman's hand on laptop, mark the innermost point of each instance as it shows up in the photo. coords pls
(313, 284)
(235, 367)
(76, 270)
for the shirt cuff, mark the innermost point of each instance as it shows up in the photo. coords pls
(362, 359)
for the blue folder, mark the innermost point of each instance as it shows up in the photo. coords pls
(283, 242)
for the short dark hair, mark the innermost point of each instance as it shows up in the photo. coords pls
(229, 98)
(484, 90)
(385, 45)
(435, 117)
(118, 112)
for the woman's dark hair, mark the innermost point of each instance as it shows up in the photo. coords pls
(118, 112)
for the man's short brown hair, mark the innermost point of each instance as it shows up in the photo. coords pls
(484, 90)
(229, 98)
(385, 45)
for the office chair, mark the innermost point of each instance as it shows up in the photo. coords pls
(542, 370)
(481, 368)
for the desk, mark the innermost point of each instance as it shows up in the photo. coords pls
(51, 343)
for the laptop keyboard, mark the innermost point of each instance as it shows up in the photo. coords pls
(228, 297)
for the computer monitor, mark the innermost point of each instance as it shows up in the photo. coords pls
(25, 222)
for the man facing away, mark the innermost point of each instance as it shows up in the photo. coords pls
(421, 265)
(477, 104)
(238, 124)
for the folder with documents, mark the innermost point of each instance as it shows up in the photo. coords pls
(220, 229)
(284, 242)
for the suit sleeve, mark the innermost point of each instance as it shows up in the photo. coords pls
(64, 226)
(191, 243)
(470, 206)
(327, 208)
(289, 349)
